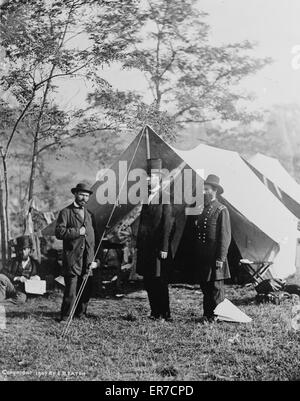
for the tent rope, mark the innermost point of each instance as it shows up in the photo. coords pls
(86, 277)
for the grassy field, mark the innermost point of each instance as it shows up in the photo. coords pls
(119, 342)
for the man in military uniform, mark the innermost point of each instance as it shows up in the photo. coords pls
(153, 245)
(19, 269)
(212, 240)
(75, 226)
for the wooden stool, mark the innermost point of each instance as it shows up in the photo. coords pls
(256, 274)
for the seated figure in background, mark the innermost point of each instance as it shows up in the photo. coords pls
(19, 269)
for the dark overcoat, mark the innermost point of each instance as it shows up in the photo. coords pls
(78, 250)
(14, 268)
(154, 235)
(212, 237)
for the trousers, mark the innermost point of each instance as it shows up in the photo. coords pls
(8, 290)
(158, 291)
(72, 286)
(158, 295)
(213, 294)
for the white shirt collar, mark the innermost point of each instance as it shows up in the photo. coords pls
(25, 262)
(152, 195)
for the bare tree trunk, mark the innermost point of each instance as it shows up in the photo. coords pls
(4, 219)
(2, 226)
(36, 137)
(4, 156)
(33, 168)
(35, 150)
(6, 198)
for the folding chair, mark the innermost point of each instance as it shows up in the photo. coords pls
(262, 266)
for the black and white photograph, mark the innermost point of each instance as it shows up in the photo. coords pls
(149, 193)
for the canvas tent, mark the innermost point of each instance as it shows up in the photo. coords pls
(278, 180)
(146, 144)
(262, 228)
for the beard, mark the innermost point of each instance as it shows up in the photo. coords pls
(153, 188)
(23, 257)
(81, 202)
(207, 199)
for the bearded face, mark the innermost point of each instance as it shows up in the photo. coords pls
(154, 182)
(81, 198)
(210, 194)
(24, 253)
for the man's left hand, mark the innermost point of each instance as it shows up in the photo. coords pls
(219, 264)
(93, 265)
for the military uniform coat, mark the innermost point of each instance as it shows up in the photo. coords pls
(154, 235)
(212, 237)
(78, 250)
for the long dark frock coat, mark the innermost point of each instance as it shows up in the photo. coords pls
(154, 235)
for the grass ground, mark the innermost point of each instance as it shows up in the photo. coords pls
(118, 342)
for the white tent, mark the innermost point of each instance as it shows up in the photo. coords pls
(275, 172)
(262, 227)
(278, 180)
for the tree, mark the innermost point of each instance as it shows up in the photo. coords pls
(282, 136)
(191, 79)
(276, 135)
(40, 42)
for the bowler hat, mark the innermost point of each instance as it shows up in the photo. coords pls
(23, 241)
(214, 181)
(81, 187)
(154, 165)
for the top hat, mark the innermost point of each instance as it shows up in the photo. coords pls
(214, 181)
(81, 187)
(154, 165)
(24, 241)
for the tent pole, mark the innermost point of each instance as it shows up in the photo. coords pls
(148, 143)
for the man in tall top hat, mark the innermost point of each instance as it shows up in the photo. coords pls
(153, 244)
(212, 239)
(75, 226)
(19, 269)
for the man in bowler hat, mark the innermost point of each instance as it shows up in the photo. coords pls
(153, 244)
(19, 269)
(212, 239)
(75, 227)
